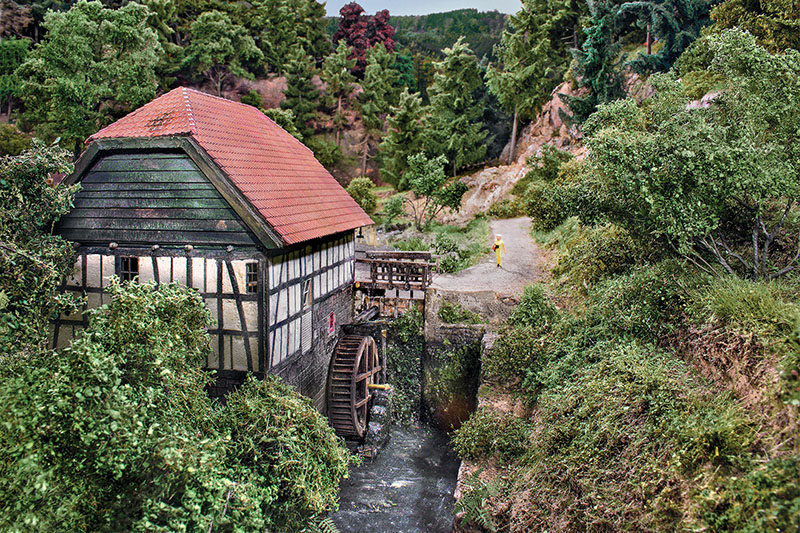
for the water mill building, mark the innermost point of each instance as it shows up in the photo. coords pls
(212, 194)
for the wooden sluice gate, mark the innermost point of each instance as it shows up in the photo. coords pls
(394, 282)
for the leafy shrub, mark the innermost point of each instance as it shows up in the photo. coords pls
(543, 168)
(490, 433)
(516, 352)
(404, 365)
(543, 204)
(412, 244)
(279, 441)
(119, 435)
(454, 313)
(647, 303)
(253, 98)
(32, 261)
(12, 141)
(699, 83)
(534, 309)
(507, 208)
(327, 153)
(444, 244)
(599, 253)
(393, 208)
(362, 191)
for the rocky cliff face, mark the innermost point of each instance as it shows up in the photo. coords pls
(491, 184)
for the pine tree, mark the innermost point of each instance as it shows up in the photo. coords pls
(302, 98)
(597, 62)
(377, 96)
(311, 32)
(336, 74)
(675, 23)
(453, 123)
(403, 138)
(530, 67)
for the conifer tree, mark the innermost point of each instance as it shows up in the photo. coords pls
(377, 97)
(12, 54)
(597, 62)
(336, 73)
(675, 23)
(529, 65)
(272, 24)
(302, 98)
(403, 138)
(453, 123)
(311, 32)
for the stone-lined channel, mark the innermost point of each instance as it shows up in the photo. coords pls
(407, 488)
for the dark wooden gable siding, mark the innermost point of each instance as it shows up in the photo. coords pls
(151, 198)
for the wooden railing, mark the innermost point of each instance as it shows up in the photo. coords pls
(400, 270)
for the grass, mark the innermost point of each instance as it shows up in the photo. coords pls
(460, 247)
(662, 400)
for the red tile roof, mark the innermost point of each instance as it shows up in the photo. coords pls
(282, 179)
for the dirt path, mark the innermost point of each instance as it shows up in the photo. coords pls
(523, 263)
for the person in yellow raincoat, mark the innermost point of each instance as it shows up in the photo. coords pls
(499, 249)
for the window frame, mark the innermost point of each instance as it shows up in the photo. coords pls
(307, 294)
(128, 268)
(251, 285)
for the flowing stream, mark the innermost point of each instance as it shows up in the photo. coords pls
(407, 488)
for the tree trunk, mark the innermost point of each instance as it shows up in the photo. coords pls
(454, 168)
(338, 118)
(649, 41)
(364, 157)
(513, 136)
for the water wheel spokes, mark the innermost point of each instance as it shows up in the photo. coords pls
(354, 367)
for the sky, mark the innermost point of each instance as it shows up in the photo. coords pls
(424, 7)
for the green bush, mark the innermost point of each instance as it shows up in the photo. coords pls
(516, 352)
(116, 432)
(404, 366)
(534, 309)
(597, 254)
(393, 208)
(507, 208)
(253, 98)
(545, 206)
(362, 191)
(647, 303)
(489, 433)
(412, 244)
(32, 260)
(280, 442)
(454, 313)
(12, 141)
(543, 168)
(327, 153)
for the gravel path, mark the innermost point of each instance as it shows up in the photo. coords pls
(522, 263)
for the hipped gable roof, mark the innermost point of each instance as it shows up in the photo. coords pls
(275, 172)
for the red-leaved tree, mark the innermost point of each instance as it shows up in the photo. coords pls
(361, 31)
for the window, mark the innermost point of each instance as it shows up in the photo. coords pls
(128, 268)
(308, 297)
(251, 278)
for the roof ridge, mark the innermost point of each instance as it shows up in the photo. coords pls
(188, 103)
(208, 95)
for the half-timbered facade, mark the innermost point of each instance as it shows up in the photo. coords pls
(214, 195)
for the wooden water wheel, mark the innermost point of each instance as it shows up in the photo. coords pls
(354, 367)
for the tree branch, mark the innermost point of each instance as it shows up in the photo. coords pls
(790, 266)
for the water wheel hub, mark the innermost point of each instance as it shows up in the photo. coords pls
(354, 367)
